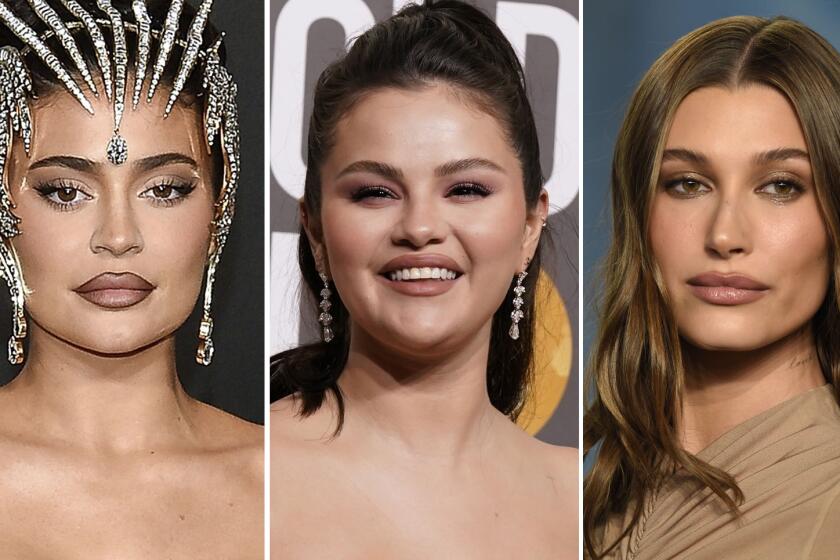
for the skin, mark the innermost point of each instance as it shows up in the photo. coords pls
(730, 212)
(98, 440)
(424, 466)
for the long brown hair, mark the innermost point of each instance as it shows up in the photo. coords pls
(636, 373)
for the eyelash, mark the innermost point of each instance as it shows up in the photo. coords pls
(183, 190)
(467, 189)
(47, 189)
(797, 187)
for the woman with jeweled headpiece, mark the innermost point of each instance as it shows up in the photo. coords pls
(119, 153)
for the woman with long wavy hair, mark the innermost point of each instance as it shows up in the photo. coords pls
(714, 419)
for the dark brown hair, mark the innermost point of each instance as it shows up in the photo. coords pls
(448, 42)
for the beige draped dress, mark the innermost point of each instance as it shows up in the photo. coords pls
(786, 460)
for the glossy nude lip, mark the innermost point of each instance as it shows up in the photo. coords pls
(420, 287)
(726, 289)
(115, 290)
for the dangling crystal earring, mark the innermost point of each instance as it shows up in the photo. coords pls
(204, 354)
(325, 318)
(10, 271)
(18, 319)
(517, 314)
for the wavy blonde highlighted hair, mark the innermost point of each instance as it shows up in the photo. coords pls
(636, 373)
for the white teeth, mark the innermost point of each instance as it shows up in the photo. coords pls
(422, 273)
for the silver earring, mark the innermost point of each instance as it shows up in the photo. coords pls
(204, 354)
(517, 314)
(10, 271)
(325, 318)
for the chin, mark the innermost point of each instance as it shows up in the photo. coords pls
(727, 337)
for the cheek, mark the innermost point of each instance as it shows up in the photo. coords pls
(673, 237)
(798, 249)
(49, 245)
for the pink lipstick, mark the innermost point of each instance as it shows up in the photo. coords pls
(115, 290)
(726, 289)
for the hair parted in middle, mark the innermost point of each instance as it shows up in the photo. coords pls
(636, 373)
(439, 42)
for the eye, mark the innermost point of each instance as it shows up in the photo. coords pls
(168, 192)
(782, 189)
(372, 192)
(686, 187)
(62, 195)
(468, 191)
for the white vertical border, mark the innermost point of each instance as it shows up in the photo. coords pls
(581, 358)
(266, 275)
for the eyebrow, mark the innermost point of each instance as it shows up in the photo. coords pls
(456, 166)
(70, 162)
(395, 174)
(87, 166)
(781, 154)
(375, 167)
(776, 154)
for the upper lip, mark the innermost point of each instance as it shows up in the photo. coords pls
(727, 280)
(115, 281)
(421, 260)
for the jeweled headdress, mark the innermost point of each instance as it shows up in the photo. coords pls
(220, 115)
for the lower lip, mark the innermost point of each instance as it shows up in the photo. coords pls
(116, 298)
(726, 295)
(422, 288)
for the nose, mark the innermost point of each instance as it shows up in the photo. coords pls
(117, 231)
(421, 223)
(729, 231)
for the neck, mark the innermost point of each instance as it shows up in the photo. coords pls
(433, 407)
(108, 402)
(723, 389)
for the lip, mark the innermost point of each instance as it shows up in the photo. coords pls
(423, 288)
(115, 290)
(719, 288)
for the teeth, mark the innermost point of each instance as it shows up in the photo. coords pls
(423, 273)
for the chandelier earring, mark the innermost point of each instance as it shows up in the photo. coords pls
(324, 318)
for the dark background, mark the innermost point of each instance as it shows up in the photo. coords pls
(234, 381)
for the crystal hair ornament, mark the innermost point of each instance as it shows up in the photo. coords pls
(221, 119)
(167, 41)
(51, 18)
(99, 45)
(117, 149)
(15, 86)
(28, 36)
(144, 46)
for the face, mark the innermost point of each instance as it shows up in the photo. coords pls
(113, 256)
(735, 226)
(423, 220)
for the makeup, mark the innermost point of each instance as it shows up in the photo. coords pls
(726, 289)
(115, 290)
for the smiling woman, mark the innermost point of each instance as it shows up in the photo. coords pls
(119, 174)
(422, 219)
(714, 424)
